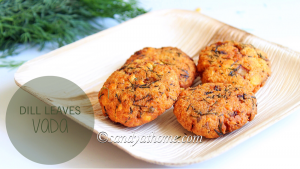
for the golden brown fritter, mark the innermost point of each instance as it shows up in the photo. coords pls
(214, 109)
(139, 92)
(182, 64)
(235, 63)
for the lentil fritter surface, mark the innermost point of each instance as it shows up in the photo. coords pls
(214, 109)
(139, 92)
(234, 63)
(182, 64)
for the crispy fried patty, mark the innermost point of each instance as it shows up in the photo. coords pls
(234, 63)
(214, 109)
(139, 92)
(182, 64)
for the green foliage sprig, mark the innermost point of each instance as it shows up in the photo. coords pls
(11, 64)
(36, 22)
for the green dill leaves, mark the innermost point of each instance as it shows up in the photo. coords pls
(10, 64)
(60, 22)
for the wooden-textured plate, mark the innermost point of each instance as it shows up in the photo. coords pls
(89, 62)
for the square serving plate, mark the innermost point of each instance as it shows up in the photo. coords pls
(89, 62)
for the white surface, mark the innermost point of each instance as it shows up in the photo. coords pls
(276, 146)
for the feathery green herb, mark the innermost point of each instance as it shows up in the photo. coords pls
(36, 22)
(11, 63)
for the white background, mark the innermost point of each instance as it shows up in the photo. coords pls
(276, 147)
